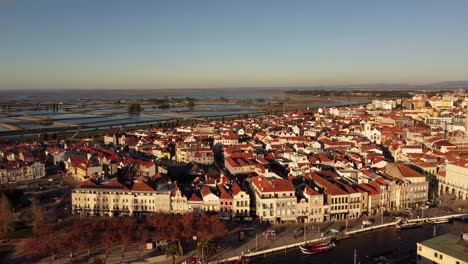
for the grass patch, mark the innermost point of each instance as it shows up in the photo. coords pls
(20, 234)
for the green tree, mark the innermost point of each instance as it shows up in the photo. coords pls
(174, 250)
(206, 248)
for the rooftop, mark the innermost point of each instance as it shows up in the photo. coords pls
(449, 244)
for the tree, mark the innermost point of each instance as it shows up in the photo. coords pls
(174, 250)
(206, 248)
(6, 216)
(38, 216)
(127, 230)
(91, 234)
(73, 239)
(135, 108)
(47, 242)
(186, 223)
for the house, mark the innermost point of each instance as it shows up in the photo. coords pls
(210, 200)
(241, 201)
(226, 202)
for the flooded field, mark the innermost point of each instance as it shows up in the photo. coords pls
(49, 110)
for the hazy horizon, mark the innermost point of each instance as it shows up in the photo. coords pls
(211, 44)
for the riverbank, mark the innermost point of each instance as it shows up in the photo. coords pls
(340, 236)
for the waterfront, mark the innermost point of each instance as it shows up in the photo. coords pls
(399, 246)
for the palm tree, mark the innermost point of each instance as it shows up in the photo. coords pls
(174, 250)
(206, 248)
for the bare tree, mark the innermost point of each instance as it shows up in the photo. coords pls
(6, 216)
(38, 216)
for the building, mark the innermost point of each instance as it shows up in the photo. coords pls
(113, 199)
(337, 198)
(179, 203)
(275, 200)
(448, 248)
(210, 200)
(226, 200)
(417, 185)
(241, 201)
(315, 205)
(239, 165)
(455, 180)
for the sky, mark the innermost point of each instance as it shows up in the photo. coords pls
(97, 44)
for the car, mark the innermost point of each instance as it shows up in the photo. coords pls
(298, 230)
(269, 233)
(424, 207)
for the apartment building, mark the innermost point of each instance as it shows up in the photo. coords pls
(275, 200)
(113, 198)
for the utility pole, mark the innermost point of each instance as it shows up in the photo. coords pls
(355, 257)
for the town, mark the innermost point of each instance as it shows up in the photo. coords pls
(391, 157)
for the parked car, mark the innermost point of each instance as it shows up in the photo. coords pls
(269, 233)
(298, 230)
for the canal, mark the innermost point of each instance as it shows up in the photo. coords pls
(398, 246)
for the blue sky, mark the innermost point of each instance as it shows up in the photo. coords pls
(171, 44)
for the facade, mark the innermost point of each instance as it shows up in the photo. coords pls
(210, 200)
(226, 206)
(179, 203)
(113, 199)
(315, 205)
(275, 200)
(195, 204)
(241, 201)
(337, 198)
(455, 180)
(17, 171)
(415, 188)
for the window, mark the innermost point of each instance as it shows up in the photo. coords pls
(441, 256)
(435, 254)
(419, 248)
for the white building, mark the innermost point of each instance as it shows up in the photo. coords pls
(455, 180)
(372, 134)
(113, 199)
(448, 248)
(179, 203)
(275, 200)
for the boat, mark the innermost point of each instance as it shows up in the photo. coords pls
(438, 221)
(315, 245)
(408, 225)
(318, 249)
